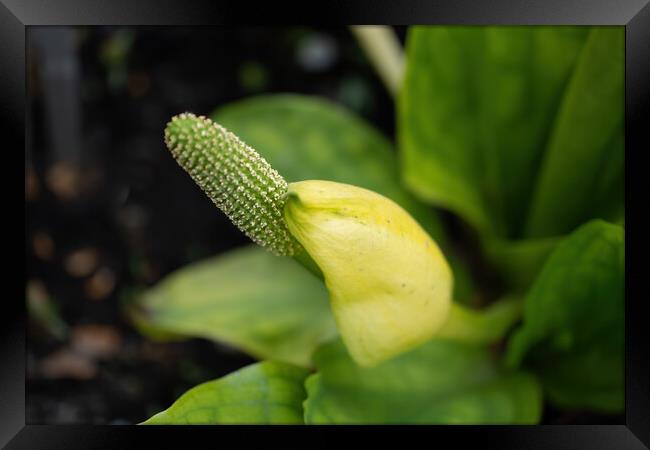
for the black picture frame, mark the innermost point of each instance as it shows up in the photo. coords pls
(17, 15)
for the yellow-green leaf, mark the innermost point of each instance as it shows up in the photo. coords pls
(263, 393)
(573, 330)
(266, 305)
(441, 382)
(474, 112)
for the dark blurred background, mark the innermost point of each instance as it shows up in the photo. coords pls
(109, 212)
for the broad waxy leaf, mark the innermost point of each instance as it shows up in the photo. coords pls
(582, 171)
(266, 305)
(263, 393)
(441, 382)
(519, 130)
(572, 335)
(306, 138)
(474, 112)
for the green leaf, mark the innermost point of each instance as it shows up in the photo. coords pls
(582, 173)
(266, 305)
(263, 393)
(306, 138)
(441, 382)
(474, 112)
(572, 335)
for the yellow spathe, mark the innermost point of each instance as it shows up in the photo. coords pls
(390, 285)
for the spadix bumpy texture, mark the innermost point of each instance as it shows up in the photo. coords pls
(390, 285)
(237, 179)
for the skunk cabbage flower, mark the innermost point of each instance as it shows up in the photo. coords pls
(390, 285)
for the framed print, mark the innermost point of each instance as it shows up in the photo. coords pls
(303, 218)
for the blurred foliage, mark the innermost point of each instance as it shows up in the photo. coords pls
(441, 382)
(516, 129)
(265, 305)
(263, 393)
(582, 171)
(474, 109)
(253, 76)
(114, 55)
(572, 335)
(44, 311)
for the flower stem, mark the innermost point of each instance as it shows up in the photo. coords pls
(482, 326)
(385, 53)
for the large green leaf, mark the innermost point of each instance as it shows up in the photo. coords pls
(441, 382)
(263, 393)
(306, 138)
(474, 112)
(573, 330)
(582, 173)
(266, 305)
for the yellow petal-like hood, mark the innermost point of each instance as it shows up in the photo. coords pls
(390, 285)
